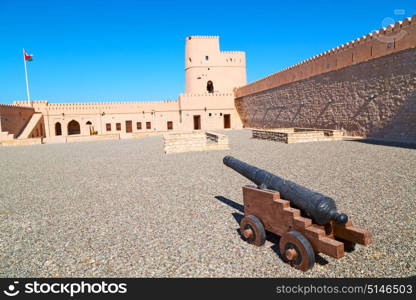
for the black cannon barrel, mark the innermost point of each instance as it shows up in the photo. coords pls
(320, 208)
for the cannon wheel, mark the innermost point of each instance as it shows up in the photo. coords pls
(253, 230)
(297, 251)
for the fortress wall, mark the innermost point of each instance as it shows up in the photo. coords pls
(375, 98)
(100, 107)
(14, 118)
(158, 113)
(392, 39)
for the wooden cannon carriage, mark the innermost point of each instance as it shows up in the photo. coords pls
(300, 237)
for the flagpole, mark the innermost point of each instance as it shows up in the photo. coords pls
(27, 81)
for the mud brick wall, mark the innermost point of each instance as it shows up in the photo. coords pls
(14, 118)
(375, 98)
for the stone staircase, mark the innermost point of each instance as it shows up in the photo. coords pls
(30, 126)
(5, 136)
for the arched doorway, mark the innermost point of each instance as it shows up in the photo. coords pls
(58, 128)
(74, 128)
(90, 127)
(210, 86)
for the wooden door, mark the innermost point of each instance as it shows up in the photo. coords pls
(197, 122)
(227, 121)
(129, 126)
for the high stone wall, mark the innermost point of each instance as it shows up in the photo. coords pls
(391, 39)
(376, 98)
(366, 87)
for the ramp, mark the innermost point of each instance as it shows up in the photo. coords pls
(31, 125)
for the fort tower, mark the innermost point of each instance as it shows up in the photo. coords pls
(209, 70)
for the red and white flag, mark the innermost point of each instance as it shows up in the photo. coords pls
(28, 57)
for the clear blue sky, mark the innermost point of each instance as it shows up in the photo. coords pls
(129, 50)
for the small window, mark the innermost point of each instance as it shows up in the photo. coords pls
(118, 126)
(206, 57)
(88, 123)
(220, 114)
(210, 86)
(148, 125)
(231, 59)
(210, 114)
(170, 125)
(190, 60)
(108, 126)
(139, 125)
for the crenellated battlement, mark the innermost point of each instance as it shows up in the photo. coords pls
(206, 94)
(395, 37)
(14, 106)
(100, 107)
(202, 37)
(233, 52)
(110, 103)
(18, 103)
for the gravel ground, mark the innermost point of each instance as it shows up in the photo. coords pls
(124, 208)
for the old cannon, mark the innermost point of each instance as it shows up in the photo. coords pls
(306, 221)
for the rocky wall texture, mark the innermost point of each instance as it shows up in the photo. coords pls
(376, 98)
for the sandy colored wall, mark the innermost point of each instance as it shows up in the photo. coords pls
(14, 118)
(400, 36)
(211, 107)
(205, 62)
(158, 113)
(376, 98)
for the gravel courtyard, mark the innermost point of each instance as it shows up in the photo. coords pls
(126, 209)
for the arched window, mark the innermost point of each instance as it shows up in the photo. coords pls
(90, 127)
(58, 128)
(210, 86)
(73, 128)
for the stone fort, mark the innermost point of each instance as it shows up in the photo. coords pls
(366, 87)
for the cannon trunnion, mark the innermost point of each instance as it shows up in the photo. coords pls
(301, 237)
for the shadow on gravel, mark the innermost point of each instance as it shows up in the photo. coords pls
(385, 143)
(271, 237)
(231, 203)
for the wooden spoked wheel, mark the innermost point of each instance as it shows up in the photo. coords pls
(297, 251)
(253, 230)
